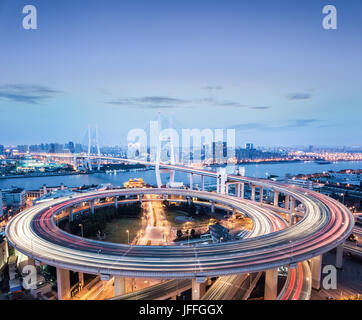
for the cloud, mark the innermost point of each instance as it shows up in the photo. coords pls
(301, 123)
(162, 102)
(150, 102)
(31, 94)
(239, 105)
(259, 108)
(213, 88)
(299, 96)
(282, 125)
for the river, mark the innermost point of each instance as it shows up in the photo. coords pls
(251, 170)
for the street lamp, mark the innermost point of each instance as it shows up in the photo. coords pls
(81, 227)
(128, 235)
(342, 194)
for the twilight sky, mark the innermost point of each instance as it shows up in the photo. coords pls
(266, 68)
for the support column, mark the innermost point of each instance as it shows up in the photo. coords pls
(316, 269)
(5, 251)
(92, 206)
(242, 190)
(140, 198)
(276, 198)
(253, 193)
(31, 262)
(63, 284)
(291, 219)
(119, 286)
(212, 207)
(203, 183)
(261, 194)
(172, 177)
(191, 180)
(70, 214)
(221, 181)
(271, 284)
(116, 202)
(339, 256)
(81, 278)
(237, 190)
(292, 205)
(286, 203)
(189, 201)
(226, 188)
(198, 288)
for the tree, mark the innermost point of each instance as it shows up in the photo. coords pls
(192, 233)
(179, 233)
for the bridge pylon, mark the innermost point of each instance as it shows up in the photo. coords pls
(93, 141)
(164, 136)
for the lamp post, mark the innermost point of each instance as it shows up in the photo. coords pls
(128, 235)
(81, 228)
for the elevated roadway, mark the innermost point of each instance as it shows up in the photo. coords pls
(161, 291)
(325, 225)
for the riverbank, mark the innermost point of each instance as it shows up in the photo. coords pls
(64, 174)
(117, 179)
(61, 174)
(255, 162)
(286, 161)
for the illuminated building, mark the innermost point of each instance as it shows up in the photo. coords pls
(134, 183)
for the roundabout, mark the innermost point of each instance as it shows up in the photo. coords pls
(325, 225)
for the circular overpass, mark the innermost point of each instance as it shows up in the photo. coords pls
(325, 225)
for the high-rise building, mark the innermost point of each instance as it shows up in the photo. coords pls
(23, 148)
(1, 204)
(78, 148)
(70, 146)
(2, 149)
(203, 152)
(14, 197)
(250, 154)
(35, 148)
(56, 148)
(52, 148)
(249, 146)
(224, 149)
(218, 150)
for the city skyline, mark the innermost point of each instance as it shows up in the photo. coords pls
(65, 145)
(268, 70)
